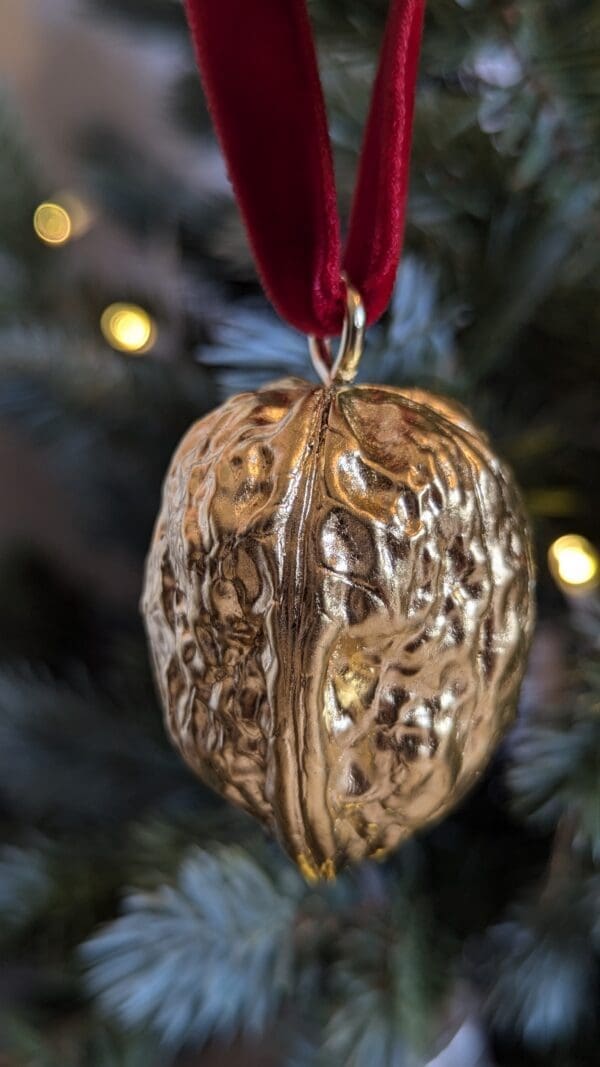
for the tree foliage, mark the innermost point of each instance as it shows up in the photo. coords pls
(493, 917)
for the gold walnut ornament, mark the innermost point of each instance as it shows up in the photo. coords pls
(339, 602)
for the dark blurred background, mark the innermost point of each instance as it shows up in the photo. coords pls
(145, 923)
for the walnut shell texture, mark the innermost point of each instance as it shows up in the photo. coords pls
(339, 603)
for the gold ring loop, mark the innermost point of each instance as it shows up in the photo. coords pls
(344, 367)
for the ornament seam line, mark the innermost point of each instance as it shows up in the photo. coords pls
(296, 589)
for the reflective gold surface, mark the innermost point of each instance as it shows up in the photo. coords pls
(339, 602)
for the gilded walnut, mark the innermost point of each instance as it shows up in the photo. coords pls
(339, 603)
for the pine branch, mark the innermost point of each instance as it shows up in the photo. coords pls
(225, 927)
(540, 964)
(19, 187)
(83, 405)
(80, 1042)
(388, 985)
(70, 759)
(416, 344)
(96, 382)
(556, 766)
(157, 845)
(24, 887)
(253, 347)
(540, 968)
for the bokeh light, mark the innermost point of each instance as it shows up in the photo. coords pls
(574, 563)
(128, 328)
(63, 218)
(52, 223)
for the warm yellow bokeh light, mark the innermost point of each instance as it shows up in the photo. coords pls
(128, 328)
(575, 563)
(61, 219)
(52, 223)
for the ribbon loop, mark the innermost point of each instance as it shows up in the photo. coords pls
(259, 69)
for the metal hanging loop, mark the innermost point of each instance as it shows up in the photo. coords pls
(343, 368)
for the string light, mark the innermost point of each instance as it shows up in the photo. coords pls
(128, 328)
(574, 563)
(61, 219)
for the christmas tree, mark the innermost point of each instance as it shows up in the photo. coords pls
(144, 920)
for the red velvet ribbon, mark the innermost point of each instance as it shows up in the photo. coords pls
(259, 69)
